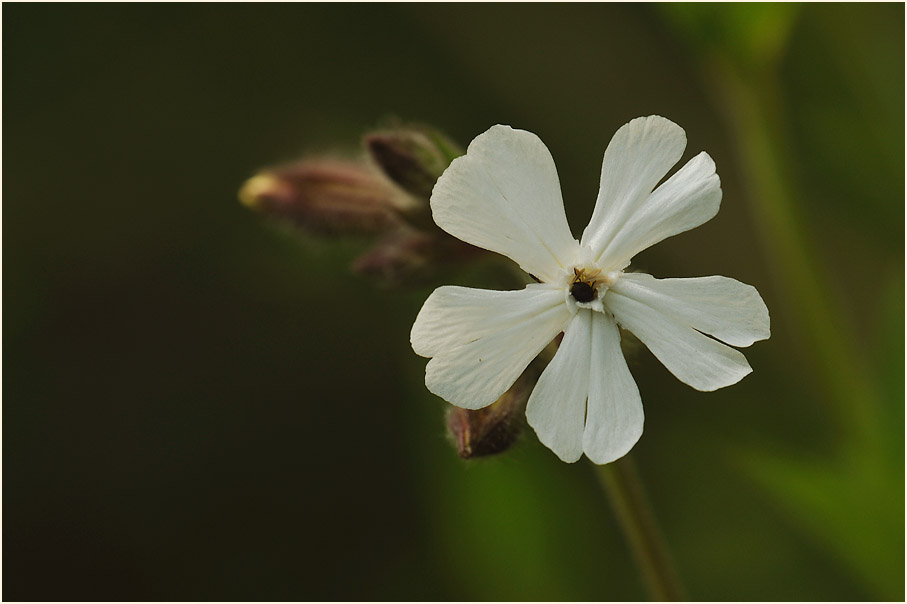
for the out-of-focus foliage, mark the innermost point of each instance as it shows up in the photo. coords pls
(199, 404)
(752, 36)
(843, 497)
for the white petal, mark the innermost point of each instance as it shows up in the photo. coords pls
(557, 405)
(614, 419)
(453, 316)
(694, 358)
(686, 200)
(483, 340)
(504, 196)
(725, 308)
(637, 158)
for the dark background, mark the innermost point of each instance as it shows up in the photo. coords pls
(199, 404)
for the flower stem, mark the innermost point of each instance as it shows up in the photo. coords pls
(624, 488)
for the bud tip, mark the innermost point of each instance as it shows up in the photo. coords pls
(259, 187)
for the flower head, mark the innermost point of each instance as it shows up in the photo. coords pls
(326, 196)
(504, 196)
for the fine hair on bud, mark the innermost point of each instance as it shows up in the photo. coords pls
(413, 157)
(326, 197)
(495, 428)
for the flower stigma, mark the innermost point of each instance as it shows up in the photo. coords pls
(582, 292)
(587, 284)
(583, 287)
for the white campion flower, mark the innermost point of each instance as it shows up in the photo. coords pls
(504, 196)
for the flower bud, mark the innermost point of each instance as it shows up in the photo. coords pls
(403, 256)
(325, 197)
(493, 429)
(408, 255)
(413, 157)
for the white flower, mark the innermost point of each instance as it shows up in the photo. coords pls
(504, 196)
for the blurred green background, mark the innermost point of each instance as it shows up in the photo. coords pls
(199, 404)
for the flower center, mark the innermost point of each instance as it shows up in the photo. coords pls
(587, 286)
(582, 291)
(584, 284)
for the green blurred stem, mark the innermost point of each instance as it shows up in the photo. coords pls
(625, 491)
(753, 108)
(624, 488)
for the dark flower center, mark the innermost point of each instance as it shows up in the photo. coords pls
(582, 291)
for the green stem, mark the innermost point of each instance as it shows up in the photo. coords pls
(624, 488)
(754, 110)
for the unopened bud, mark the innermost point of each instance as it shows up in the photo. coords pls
(407, 256)
(403, 256)
(493, 429)
(413, 157)
(325, 197)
